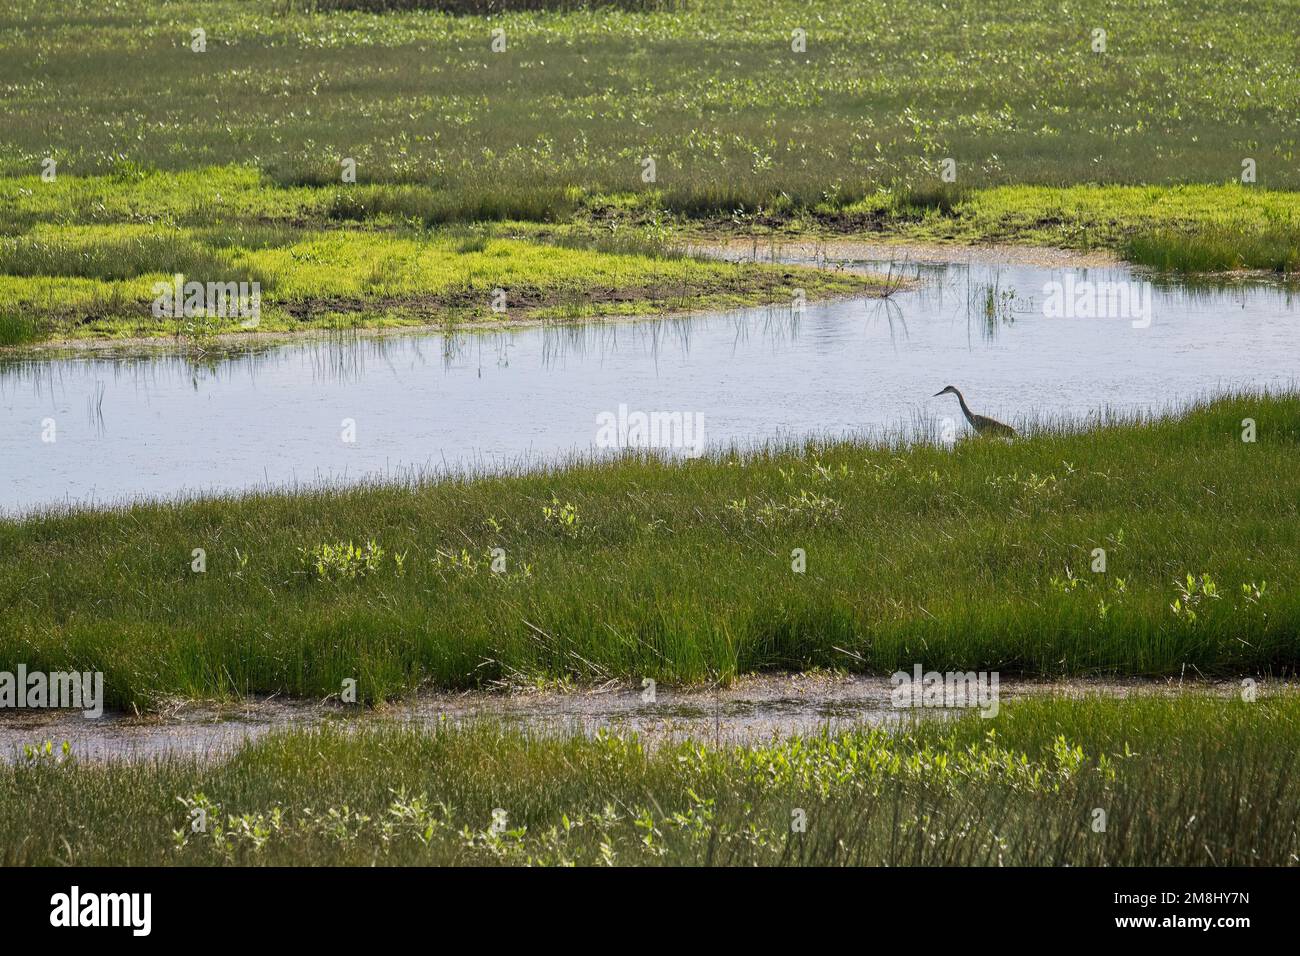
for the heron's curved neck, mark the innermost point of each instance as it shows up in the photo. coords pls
(965, 410)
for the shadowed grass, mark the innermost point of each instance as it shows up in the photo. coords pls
(92, 253)
(974, 558)
(435, 207)
(917, 201)
(1187, 781)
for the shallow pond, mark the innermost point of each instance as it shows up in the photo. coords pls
(98, 429)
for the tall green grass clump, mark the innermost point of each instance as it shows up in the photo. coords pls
(109, 257)
(17, 328)
(1221, 249)
(918, 201)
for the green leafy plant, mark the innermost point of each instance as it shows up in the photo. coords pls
(564, 516)
(345, 562)
(1192, 594)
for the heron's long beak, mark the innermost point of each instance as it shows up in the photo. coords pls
(936, 394)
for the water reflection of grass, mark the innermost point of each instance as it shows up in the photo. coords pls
(973, 557)
(1190, 780)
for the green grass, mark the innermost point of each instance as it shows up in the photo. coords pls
(1209, 228)
(1128, 149)
(1189, 781)
(83, 257)
(973, 558)
(433, 207)
(522, 170)
(476, 7)
(79, 257)
(1219, 250)
(711, 89)
(17, 329)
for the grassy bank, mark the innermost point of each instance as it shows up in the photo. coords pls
(79, 257)
(977, 557)
(1187, 229)
(85, 255)
(1187, 781)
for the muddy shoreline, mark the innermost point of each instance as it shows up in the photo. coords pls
(750, 710)
(844, 249)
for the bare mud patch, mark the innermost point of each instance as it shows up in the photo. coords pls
(828, 253)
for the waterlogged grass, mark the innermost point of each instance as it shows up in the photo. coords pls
(86, 263)
(1218, 250)
(79, 257)
(1181, 229)
(1105, 217)
(1187, 781)
(975, 558)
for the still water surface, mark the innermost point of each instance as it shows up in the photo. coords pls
(159, 425)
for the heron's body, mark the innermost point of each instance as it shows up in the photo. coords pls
(982, 424)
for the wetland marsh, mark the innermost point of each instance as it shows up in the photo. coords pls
(365, 579)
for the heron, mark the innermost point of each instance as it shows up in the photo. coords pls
(982, 424)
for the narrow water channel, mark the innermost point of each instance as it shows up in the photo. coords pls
(97, 430)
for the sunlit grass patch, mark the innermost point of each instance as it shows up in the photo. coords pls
(1182, 228)
(196, 197)
(111, 253)
(89, 271)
